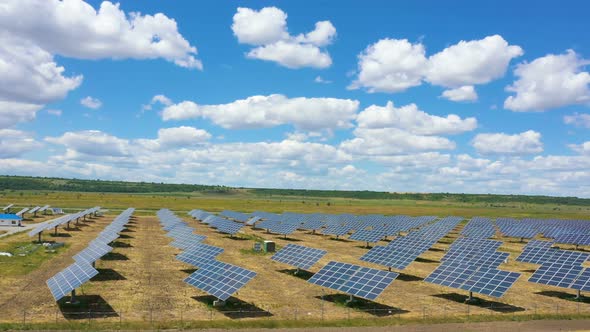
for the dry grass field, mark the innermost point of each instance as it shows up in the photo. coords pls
(142, 281)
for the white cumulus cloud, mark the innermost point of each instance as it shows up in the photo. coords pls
(394, 65)
(463, 93)
(91, 102)
(528, 142)
(75, 29)
(268, 111)
(14, 143)
(266, 29)
(578, 120)
(549, 82)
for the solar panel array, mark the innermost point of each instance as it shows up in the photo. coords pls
(220, 279)
(62, 220)
(299, 256)
(479, 228)
(515, 228)
(69, 279)
(82, 270)
(216, 278)
(369, 236)
(403, 250)
(474, 278)
(353, 279)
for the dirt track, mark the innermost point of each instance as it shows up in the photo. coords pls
(530, 326)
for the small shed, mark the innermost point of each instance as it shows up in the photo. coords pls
(10, 220)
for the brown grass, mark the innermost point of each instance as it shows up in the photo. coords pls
(141, 280)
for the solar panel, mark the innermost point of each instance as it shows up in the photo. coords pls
(186, 240)
(582, 281)
(92, 253)
(229, 227)
(398, 258)
(252, 221)
(312, 225)
(203, 249)
(352, 279)
(299, 256)
(370, 236)
(69, 279)
(493, 259)
(490, 281)
(284, 228)
(556, 274)
(337, 229)
(577, 239)
(473, 278)
(220, 279)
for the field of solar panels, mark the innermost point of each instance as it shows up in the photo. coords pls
(172, 268)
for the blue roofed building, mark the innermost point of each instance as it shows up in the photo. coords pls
(10, 220)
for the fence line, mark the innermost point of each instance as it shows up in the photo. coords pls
(183, 313)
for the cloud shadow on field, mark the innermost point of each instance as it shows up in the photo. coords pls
(565, 296)
(408, 277)
(107, 275)
(114, 256)
(485, 304)
(302, 274)
(88, 306)
(234, 308)
(368, 306)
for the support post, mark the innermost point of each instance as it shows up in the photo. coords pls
(578, 294)
(73, 297)
(39, 236)
(55, 230)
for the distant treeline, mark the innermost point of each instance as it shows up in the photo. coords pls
(467, 198)
(76, 185)
(59, 184)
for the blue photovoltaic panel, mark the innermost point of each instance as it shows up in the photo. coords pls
(452, 274)
(229, 227)
(352, 279)
(220, 279)
(577, 239)
(539, 244)
(187, 240)
(312, 225)
(569, 257)
(252, 221)
(490, 281)
(398, 258)
(582, 281)
(473, 278)
(284, 228)
(535, 255)
(93, 252)
(371, 236)
(299, 256)
(69, 279)
(337, 229)
(493, 259)
(556, 274)
(197, 259)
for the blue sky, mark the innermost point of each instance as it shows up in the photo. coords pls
(396, 96)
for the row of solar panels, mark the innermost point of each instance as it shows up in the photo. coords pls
(63, 220)
(214, 277)
(21, 212)
(83, 269)
(367, 232)
(560, 268)
(576, 232)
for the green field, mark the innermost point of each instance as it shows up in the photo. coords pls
(246, 201)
